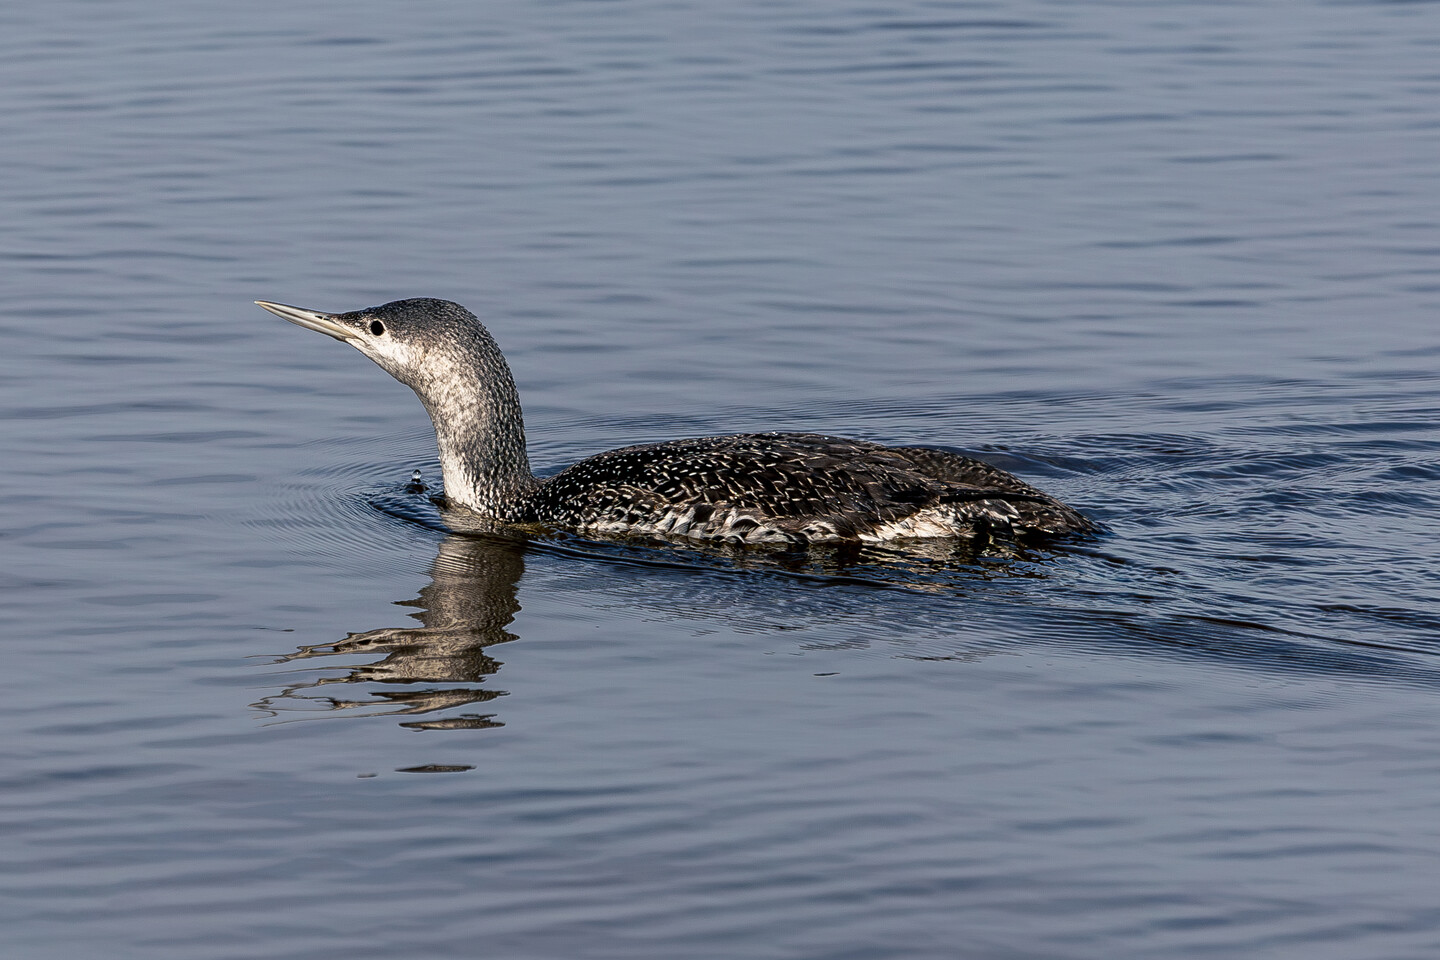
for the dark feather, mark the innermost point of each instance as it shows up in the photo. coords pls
(796, 487)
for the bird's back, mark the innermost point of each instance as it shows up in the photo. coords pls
(793, 488)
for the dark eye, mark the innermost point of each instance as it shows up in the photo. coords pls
(376, 327)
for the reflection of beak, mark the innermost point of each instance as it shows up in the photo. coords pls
(311, 320)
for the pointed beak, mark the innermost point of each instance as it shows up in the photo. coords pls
(311, 320)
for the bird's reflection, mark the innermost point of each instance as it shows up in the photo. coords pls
(443, 664)
(442, 670)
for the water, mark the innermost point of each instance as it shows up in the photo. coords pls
(1176, 263)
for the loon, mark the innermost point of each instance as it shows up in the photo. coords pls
(761, 488)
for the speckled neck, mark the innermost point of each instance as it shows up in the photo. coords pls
(471, 398)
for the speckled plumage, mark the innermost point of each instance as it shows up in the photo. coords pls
(788, 488)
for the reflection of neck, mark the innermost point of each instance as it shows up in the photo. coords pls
(473, 587)
(479, 429)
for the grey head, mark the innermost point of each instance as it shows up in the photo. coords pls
(444, 353)
(415, 341)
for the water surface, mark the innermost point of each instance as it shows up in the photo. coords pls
(1176, 263)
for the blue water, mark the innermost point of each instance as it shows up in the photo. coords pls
(1178, 264)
